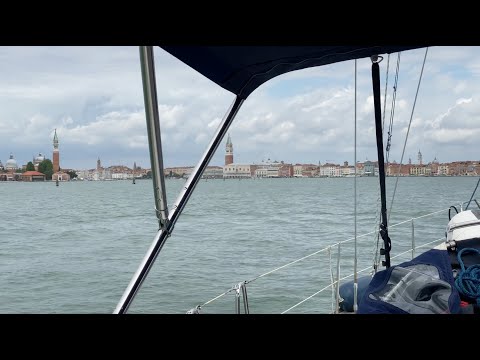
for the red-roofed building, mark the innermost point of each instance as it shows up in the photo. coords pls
(33, 176)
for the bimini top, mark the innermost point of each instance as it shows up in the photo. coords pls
(242, 69)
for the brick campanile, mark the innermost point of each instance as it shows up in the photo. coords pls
(56, 154)
(229, 151)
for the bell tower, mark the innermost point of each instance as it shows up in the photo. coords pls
(229, 151)
(56, 154)
(420, 161)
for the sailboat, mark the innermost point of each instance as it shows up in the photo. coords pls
(443, 279)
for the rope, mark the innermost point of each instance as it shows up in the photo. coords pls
(468, 280)
(408, 131)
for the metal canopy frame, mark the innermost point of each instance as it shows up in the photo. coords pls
(167, 220)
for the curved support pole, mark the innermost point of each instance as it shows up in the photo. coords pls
(177, 208)
(153, 131)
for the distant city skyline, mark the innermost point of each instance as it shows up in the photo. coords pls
(93, 97)
(414, 160)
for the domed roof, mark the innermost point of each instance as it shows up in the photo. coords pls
(39, 158)
(11, 163)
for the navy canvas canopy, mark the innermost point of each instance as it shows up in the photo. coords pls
(242, 69)
(411, 287)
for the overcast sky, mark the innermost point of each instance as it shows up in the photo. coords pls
(93, 97)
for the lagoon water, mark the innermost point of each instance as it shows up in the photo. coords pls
(74, 248)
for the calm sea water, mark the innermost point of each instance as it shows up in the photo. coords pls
(74, 248)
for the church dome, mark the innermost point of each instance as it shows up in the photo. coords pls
(11, 163)
(38, 159)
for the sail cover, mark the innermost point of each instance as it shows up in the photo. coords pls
(424, 285)
(242, 69)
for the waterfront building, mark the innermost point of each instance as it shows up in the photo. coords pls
(297, 170)
(213, 172)
(420, 170)
(237, 171)
(32, 176)
(394, 169)
(369, 168)
(443, 169)
(183, 171)
(330, 170)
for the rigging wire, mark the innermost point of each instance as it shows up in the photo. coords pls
(408, 131)
(355, 281)
(385, 96)
(392, 110)
(469, 201)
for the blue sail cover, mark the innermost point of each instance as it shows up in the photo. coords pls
(424, 285)
(242, 69)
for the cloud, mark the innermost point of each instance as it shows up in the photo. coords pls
(459, 125)
(93, 96)
(460, 137)
(117, 128)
